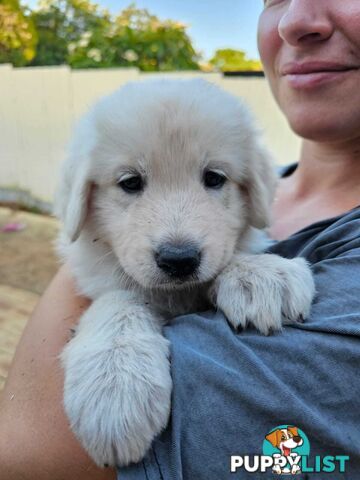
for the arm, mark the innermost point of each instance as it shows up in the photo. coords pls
(35, 439)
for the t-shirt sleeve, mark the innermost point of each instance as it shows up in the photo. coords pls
(336, 307)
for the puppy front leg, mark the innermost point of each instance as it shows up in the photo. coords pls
(265, 290)
(117, 379)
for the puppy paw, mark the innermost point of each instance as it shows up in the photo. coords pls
(276, 468)
(299, 290)
(117, 394)
(265, 290)
(295, 470)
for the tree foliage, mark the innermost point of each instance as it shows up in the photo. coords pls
(68, 30)
(230, 60)
(81, 34)
(143, 40)
(17, 34)
(78, 33)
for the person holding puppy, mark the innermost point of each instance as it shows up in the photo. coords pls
(231, 388)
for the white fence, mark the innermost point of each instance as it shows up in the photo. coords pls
(38, 107)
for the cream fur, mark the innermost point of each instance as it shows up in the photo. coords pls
(117, 379)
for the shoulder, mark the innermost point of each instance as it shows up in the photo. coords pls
(324, 240)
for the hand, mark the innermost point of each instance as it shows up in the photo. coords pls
(117, 380)
(265, 290)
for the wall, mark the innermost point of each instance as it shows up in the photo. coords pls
(38, 107)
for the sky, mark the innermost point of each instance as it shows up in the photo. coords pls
(213, 24)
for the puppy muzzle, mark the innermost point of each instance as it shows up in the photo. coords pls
(178, 260)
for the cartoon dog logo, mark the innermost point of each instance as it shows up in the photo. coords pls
(285, 440)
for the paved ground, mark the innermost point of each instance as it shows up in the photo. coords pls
(27, 263)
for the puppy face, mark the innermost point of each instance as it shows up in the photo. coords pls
(285, 439)
(178, 178)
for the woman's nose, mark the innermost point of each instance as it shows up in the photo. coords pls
(305, 22)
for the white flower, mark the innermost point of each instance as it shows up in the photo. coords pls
(130, 56)
(86, 35)
(71, 47)
(83, 42)
(94, 54)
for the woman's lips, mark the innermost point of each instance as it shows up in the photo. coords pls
(311, 80)
(313, 74)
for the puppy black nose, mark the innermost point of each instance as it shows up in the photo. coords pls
(297, 439)
(178, 260)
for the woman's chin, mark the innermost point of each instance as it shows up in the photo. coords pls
(323, 129)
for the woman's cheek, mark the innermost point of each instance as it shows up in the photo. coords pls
(269, 43)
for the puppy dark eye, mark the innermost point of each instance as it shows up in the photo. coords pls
(132, 184)
(214, 179)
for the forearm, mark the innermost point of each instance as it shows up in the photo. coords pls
(35, 439)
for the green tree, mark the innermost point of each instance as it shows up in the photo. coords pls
(73, 32)
(80, 34)
(143, 40)
(17, 34)
(229, 60)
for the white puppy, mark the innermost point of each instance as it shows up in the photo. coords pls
(160, 197)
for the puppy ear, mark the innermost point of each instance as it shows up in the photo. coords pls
(260, 184)
(294, 431)
(273, 438)
(72, 199)
(73, 194)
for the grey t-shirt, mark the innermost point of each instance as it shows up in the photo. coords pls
(231, 389)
